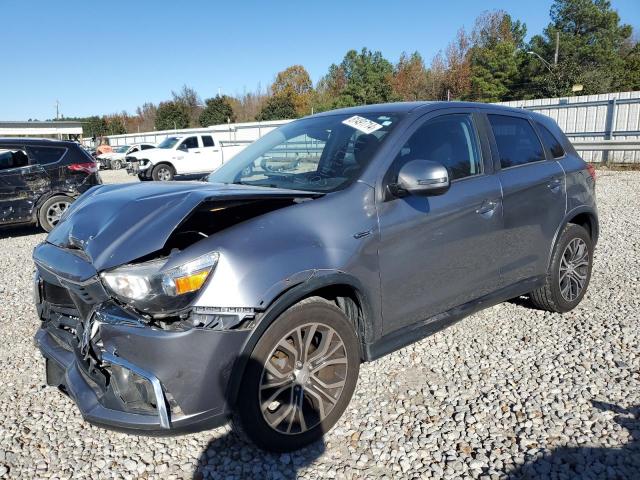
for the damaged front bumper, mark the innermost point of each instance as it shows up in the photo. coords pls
(122, 373)
(137, 167)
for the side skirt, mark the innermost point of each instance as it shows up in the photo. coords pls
(405, 336)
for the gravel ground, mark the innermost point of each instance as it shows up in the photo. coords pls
(509, 392)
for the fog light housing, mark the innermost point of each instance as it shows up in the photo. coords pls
(134, 391)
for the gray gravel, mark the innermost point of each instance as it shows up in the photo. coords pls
(509, 392)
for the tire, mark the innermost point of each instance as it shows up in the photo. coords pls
(569, 272)
(51, 210)
(116, 165)
(320, 321)
(163, 172)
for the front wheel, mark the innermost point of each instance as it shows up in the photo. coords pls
(299, 378)
(116, 165)
(569, 272)
(163, 172)
(52, 210)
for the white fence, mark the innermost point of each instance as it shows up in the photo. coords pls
(226, 134)
(603, 128)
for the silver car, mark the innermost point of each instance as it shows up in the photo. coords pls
(335, 239)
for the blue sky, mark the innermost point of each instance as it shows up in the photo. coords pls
(105, 57)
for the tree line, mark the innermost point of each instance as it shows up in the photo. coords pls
(596, 53)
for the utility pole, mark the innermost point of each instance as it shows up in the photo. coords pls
(57, 109)
(555, 58)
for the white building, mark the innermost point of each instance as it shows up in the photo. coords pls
(62, 130)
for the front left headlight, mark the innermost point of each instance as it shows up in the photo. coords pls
(149, 288)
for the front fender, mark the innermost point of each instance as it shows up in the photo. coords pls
(318, 280)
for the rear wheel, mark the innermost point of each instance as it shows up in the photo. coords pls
(300, 377)
(52, 210)
(163, 172)
(569, 272)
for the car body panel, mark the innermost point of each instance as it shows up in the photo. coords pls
(440, 250)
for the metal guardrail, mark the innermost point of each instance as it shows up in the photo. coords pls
(608, 145)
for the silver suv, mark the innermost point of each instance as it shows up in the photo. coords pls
(336, 239)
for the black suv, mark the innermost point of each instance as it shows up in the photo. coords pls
(39, 178)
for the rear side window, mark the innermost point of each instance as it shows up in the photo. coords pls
(550, 141)
(450, 140)
(12, 157)
(517, 142)
(207, 141)
(45, 155)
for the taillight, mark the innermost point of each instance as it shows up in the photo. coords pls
(88, 167)
(592, 171)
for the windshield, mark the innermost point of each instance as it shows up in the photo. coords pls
(168, 142)
(321, 154)
(122, 149)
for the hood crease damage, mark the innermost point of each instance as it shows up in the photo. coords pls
(154, 219)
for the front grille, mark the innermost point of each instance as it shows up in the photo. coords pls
(56, 294)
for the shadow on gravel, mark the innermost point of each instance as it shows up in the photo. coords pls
(22, 231)
(231, 457)
(523, 301)
(573, 463)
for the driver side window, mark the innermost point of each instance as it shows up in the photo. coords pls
(450, 140)
(191, 142)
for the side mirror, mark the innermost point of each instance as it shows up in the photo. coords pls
(422, 178)
(183, 147)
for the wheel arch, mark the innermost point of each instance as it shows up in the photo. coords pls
(584, 216)
(339, 288)
(163, 162)
(35, 213)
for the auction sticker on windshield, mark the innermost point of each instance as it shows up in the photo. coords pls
(363, 124)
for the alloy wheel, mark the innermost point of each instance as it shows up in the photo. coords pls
(303, 378)
(164, 174)
(55, 212)
(574, 269)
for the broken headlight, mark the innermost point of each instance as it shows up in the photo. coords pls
(148, 288)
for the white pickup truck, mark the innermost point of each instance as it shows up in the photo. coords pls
(184, 155)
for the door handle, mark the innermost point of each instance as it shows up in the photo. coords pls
(554, 185)
(487, 208)
(196, 152)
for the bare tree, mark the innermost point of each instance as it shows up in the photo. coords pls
(146, 117)
(188, 97)
(458, 62)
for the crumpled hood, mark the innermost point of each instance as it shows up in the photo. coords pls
(116, 224)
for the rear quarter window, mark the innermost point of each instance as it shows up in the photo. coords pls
(550, 141)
